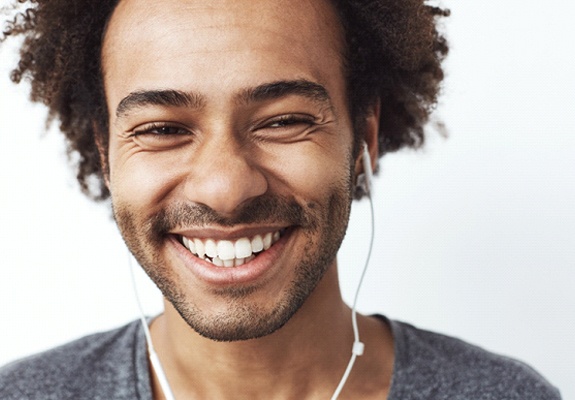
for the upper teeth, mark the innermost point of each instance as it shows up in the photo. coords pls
(230, 253)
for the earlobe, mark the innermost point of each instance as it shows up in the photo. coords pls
(372, 133)
(366, 162)
(371, 137)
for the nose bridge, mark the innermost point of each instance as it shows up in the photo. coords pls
(224, 175)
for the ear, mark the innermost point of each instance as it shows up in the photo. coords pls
(371, 131)
(102, 153)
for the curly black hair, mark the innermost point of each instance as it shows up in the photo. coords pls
(394, 52)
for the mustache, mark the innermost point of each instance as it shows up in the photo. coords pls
(260, 209)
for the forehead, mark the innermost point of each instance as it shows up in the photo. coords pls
(170, 42)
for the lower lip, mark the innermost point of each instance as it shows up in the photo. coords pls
(263, 264)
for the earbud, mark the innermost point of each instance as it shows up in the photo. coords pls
(366, 159)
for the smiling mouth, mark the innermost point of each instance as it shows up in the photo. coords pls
(231, 253)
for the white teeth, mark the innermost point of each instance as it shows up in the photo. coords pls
(190, 245)
(200, 251)
(243, 248)
(267, 240)
(226, 250)
(211, 248)
(257, 244)
(227, 253)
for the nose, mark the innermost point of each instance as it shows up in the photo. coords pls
(225, 175)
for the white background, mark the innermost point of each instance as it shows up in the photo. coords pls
(475, 233)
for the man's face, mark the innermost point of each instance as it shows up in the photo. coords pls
(230, 153)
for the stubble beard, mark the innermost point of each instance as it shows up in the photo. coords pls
(323, 226)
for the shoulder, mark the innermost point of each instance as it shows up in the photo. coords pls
(429, 365)
(85, 368)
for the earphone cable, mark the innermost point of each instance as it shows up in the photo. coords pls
(154, 359)
(358, 347)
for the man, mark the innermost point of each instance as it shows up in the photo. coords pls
(229, 135)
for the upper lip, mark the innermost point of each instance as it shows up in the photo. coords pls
(227, 234)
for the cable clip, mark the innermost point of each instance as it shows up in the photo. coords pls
(357, 348)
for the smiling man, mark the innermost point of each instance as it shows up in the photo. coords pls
(229, 135)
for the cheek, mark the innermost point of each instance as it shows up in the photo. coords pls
(141, 180)
(311, 172)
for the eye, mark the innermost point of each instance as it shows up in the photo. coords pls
(288, 121)
(285, 128)
(159, 129)
(159, 136)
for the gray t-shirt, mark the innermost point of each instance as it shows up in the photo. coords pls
(428, 366)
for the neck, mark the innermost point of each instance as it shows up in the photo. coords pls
(312, 349)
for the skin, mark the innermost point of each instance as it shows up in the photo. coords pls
(286, 157)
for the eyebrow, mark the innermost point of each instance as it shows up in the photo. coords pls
(160, 97)
(260, 93)
(275, 90)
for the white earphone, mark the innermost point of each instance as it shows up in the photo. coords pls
(358, 346)
(366, 159)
